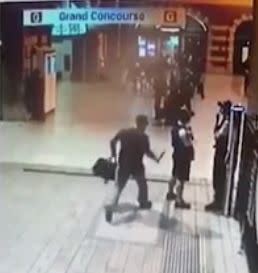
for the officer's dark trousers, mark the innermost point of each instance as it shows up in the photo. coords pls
(219, 177)
(122, 176)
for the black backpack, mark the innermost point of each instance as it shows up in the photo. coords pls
(105, 169)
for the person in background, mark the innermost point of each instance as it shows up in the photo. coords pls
(32, 87)
(200, 86)
(183, 155)
(134, 145)
(246, 66)
(186, 89)
(173, 104)
(221, 131)
(136, 76)
(159, 92)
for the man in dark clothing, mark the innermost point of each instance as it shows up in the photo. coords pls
(173, 104)
(187, 88)
(183, 155)
(221, 131)
(159, 92)
(246, 66)
(134, 145)
(199, 77)
(200, 86)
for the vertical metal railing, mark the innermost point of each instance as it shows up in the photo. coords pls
(234, 152)
(229, 166)
(238, 160)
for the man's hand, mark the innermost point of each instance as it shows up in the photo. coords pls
(152, 156)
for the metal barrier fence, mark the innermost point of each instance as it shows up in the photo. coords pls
(241, 196)
(246, 203)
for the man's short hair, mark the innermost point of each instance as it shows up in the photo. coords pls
(142, 120)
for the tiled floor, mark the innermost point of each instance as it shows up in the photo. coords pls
(55, 224)
(87, 117)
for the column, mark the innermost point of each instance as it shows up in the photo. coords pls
(118, 35)
(253, 89)
(1, 68)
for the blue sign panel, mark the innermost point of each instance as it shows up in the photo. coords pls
(101, 16)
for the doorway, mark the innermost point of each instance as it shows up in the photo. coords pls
(196, 40)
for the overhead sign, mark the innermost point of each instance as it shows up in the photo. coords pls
(242, 3)
(69, 29)
(102, 16)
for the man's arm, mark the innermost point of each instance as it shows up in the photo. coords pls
(149, 153)
(113, 144)
(152, 156)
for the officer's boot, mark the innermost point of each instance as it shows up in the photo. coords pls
(171, 185)
(180, 203)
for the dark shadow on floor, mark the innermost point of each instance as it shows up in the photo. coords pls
(127, 213)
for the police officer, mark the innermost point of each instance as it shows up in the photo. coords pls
(221, 131)
(134, 145)
(183, 155)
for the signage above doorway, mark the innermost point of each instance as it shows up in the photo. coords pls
(173, 17)
(69, 29)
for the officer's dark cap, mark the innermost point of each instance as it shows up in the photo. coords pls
(225, 106)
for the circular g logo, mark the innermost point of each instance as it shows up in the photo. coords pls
(170, 16)
(36, 17)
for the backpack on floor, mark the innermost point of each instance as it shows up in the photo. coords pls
(105, 169)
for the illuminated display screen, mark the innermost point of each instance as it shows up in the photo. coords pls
(171, 45)
(142, 52)
(69, 29)
(172, 42)
(146, 48)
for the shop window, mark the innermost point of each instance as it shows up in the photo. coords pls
(142, 46)
(171, 45)
(51, 64)
(151, 49)
(146, 48)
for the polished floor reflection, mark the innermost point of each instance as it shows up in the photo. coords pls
(88, 116)
(55, 223)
